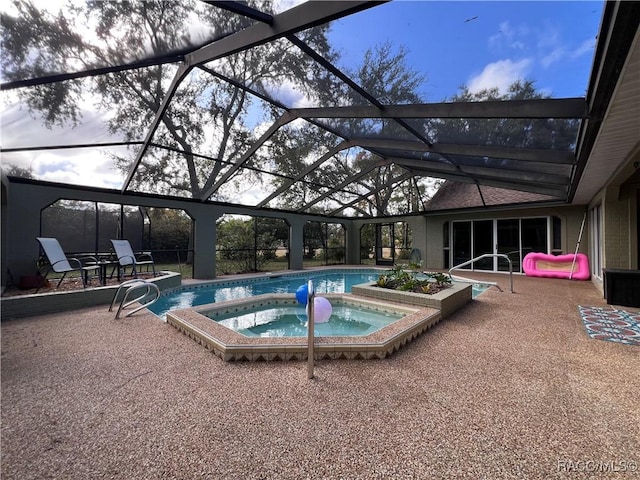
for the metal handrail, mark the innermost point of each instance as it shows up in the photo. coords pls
(486, 255)
(132, 285)
(311, 295)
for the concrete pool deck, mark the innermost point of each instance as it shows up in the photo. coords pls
(510, 386)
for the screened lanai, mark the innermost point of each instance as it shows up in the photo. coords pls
(258, 104)
(337, 109)
(417, 119)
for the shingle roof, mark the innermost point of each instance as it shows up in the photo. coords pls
(457, 195)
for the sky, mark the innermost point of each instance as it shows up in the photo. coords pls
(481, 44)
(453, 43)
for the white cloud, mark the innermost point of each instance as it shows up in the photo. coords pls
(548, 37)
(81, 166)
(21, 128)
(288, 93)
(554, 56)
(509, 37)
(500, 74)
(280, 6)
(505, 32)
(553, 49)
(543, 44)
(584, 48)
(89, 167)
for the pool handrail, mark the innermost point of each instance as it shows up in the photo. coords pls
(473, 260)
(311, 295)
(132, 285)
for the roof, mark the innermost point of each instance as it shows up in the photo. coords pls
(346, 150)
(457, 195)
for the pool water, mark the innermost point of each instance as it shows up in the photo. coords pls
(326, 281)
(478, 288)
(291, 321)
(330, 281)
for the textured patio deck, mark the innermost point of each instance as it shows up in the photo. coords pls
(509, 387)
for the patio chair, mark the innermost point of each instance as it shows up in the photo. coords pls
(126, 258)
(59, 263)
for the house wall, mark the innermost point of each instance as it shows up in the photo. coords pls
(620, 215)
(419, 238)
(616, 217)
(619, 204)
(571, 220)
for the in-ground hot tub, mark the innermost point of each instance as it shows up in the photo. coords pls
(231, 345)
(347, 319)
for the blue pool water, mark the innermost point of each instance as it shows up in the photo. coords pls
(326, 281)
(291, 321)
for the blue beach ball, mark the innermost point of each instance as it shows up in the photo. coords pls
(302, 293)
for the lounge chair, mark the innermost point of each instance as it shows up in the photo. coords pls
(59, 263)
(126, 257)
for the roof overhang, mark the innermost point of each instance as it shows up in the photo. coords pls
(612, 132)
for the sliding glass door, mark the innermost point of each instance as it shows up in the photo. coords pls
(508, 243)
(461, 242)
(514, 237)
(483, 243)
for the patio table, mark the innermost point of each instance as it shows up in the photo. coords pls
(104, 266)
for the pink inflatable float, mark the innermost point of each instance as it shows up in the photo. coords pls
(556, 266)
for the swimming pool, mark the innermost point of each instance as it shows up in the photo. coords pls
(324, 281)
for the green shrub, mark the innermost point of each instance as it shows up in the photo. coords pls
(398, 278)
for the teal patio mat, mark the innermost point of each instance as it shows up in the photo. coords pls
(606, 323)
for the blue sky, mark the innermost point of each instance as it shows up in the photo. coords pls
(482, 43)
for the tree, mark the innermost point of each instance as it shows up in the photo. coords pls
(204, 127)
(170, 230)
(367, 240)
(314, 238)
(245, 243)
(16, 170)
(386, 75)
(557, 134)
